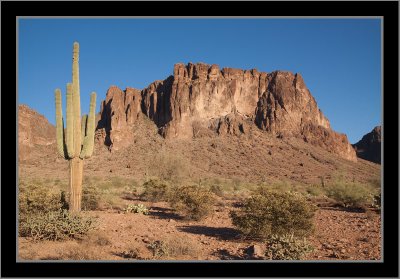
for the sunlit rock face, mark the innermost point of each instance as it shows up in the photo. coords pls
(204, 100)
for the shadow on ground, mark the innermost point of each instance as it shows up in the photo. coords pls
(220, 233)
(345, 209)
(164, 213)
(130, 197)
(224, 254)
(128, 256)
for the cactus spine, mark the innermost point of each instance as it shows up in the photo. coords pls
(77, 141)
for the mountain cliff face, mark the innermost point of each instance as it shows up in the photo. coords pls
(369, 147)
(202, 100)
(34, 134)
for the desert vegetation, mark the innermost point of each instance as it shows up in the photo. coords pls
(280, 217)
(43, 215)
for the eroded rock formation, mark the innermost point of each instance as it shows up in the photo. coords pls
(201, 100)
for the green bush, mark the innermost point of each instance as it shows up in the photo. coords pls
(286, 247)
(90, 198)
(193, 201)
(272, 212)
(54, 225)
(155, 190)
(137, 208)
(351, 195)
(35, 197)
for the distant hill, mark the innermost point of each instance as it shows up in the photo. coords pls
(36, 136)
(369, 147)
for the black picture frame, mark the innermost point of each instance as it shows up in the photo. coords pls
(388, 268)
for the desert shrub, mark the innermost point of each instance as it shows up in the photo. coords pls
(217, 190)
(315, 190)
(90, 197)
(155, 190)
(377, 200)
(111, 200)
(137, 208)
(272, 212)
(55, 225)
(194, 202)
(237, 184)
(281, 186)
(159, 248)
(174, 247)
(349, 194)
(178, 246)
(97, 238)
(64, 200)
(169, 167)
(286, 247)
(76, 253)
(33, 198)
(117, 182)
(131, 253)
(278, 186)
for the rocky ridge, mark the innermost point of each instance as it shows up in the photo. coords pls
(200, 100)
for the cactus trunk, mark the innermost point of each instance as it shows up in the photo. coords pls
(76, 174)
(76, 142)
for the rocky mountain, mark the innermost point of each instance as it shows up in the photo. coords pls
(35, 134)
(369, 147)
(200, 100)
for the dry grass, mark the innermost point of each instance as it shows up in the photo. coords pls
(98, 238)
(175, 248)
(78, 252)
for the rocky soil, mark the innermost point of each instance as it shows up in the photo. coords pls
(339, 235)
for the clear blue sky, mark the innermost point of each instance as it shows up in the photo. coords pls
(339, 59)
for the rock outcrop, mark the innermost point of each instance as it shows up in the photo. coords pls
(35, 133)
(118, 113)
(201, 100)
(369, 147)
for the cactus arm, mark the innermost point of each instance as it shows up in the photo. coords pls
(59, 124)
(88, 143)
(84, 125)
(70, 123)
(76, 100)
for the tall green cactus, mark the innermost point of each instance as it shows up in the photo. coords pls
(76, 142)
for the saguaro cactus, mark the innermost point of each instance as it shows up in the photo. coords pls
(76, 142)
